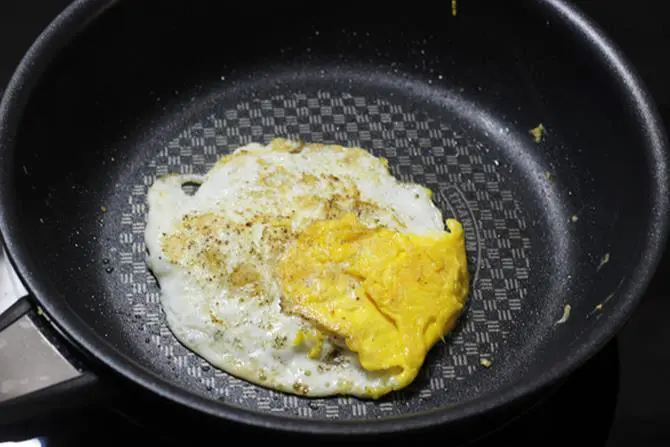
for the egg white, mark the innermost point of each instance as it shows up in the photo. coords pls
(250, 337)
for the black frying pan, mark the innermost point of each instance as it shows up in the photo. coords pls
(563, 231)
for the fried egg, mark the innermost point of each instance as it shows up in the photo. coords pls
(306, 268)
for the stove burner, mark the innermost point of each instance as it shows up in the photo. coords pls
(582, 407)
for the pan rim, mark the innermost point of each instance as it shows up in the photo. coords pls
(79, 13)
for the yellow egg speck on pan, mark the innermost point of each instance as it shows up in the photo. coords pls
(307, 268)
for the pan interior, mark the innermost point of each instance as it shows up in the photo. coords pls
(446, 104)
(427, 138)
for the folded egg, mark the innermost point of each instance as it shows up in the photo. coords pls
(306, 268)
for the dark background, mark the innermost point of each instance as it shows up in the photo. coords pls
(642, 414)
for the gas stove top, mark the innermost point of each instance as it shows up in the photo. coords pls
(584, 404)
(10, 286)
(617, 398)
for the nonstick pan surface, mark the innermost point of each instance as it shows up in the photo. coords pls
(563, 231)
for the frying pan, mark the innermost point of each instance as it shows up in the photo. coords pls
(526, 122)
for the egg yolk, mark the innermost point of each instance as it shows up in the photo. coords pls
(390, 295)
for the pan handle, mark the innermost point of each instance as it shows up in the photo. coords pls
(38, 376)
